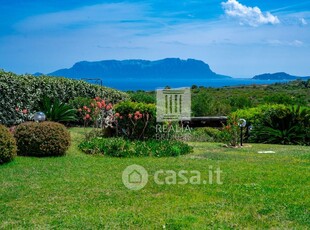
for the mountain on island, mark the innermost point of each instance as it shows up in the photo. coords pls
(172, 68)
(278, 76)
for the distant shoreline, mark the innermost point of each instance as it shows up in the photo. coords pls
(154, 84)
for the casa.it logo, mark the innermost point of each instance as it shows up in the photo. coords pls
(135, 177)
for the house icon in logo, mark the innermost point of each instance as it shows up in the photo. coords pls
(135, 177)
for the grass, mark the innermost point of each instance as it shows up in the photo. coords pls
(85, 192)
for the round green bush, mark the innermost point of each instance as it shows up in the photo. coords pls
(42, 139)
(7, 145)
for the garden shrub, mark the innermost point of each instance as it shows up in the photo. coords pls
(135, 120)
(77, 103)
(7, 145)
(20, 95)
(142, 96)
(42, 139)
(207, 134)
(231, 132)
(252, 115)
(283, 126)
(120, 147)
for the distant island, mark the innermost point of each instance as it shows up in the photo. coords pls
(278, 76)
(137, 74)
(172, 68)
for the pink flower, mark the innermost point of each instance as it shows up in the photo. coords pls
(25, 111)
(116, 115)
(85, 107)
(87, 116)
(99, 104)
(108, 107)
(97, 98)
(17, 109)
(92, 105)
(130, 115)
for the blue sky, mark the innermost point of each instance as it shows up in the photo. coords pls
(237, 38)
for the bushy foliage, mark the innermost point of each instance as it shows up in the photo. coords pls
(120, 147)
(205, 104)
(283, 126)
(7, 145)
(98, 112)
(135, 120)
(42, 139)
(142, 96)
(26, 91)
(252, 115)
(231, 132)
(207, 134)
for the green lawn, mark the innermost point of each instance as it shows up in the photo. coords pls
(86, 192)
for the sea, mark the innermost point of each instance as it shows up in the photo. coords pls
(153, 84)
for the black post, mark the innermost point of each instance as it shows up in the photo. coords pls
(241, 136)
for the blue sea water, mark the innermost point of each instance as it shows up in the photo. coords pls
(152, 84)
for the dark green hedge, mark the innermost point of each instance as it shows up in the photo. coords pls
(26, 91)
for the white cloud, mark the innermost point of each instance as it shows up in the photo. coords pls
(251, 16)
(294, 43)
(303, 22)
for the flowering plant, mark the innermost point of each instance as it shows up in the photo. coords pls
(99, 112)
(135, 120)
(231, 132)
(23, 114)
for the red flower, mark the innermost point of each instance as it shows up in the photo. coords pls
(99, 104)
(108, 107)
(87, 116)
(97, 98)
(116, 115)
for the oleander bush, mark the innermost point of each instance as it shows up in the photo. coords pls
(20, 93)
(7, 145)
(120, 147)
(135, 120)
(42, 139)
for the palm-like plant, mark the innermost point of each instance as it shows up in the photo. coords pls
(283, 126)
(58, 111)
